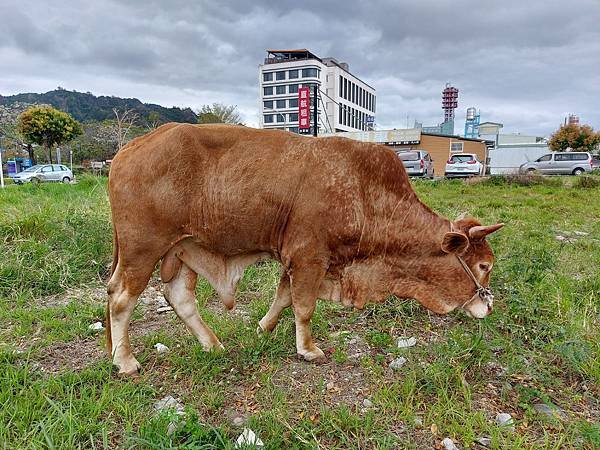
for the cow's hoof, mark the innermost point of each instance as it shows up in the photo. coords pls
(315, 356)
(213, 347)
(130, 370)
(260, 329)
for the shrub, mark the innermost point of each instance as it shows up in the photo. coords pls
(586, 182)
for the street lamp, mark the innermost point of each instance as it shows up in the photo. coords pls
(276, 112)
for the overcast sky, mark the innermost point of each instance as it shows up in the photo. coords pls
(525, 63)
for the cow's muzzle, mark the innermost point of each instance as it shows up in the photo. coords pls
(481, 304)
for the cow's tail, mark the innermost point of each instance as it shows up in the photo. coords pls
(115, 261)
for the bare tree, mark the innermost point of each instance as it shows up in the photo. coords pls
(124, 121)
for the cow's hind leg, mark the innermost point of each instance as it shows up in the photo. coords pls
(124, 288)
(180, 292)
(283, 299)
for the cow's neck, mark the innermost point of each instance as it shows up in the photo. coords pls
(408, 228)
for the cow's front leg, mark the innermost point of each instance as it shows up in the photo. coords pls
(283, 299)
(305, 281)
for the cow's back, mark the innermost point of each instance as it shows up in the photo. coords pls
(237, 189)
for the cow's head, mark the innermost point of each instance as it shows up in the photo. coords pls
(469, 264)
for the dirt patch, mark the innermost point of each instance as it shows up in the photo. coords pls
(74, 355)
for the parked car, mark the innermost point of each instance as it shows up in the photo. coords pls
(463, 165)
(418, 163)
(44, 172)
(560, 163)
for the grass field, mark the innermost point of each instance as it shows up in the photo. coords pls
(541, 345)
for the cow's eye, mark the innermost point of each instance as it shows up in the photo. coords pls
(484, 267)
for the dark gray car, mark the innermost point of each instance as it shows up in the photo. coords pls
(560, 163)
(418, 163)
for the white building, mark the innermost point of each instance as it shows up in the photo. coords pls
(346, 103)
(510, 151)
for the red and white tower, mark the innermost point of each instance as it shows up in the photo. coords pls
(449, 102)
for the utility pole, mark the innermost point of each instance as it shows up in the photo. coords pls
(1, 166)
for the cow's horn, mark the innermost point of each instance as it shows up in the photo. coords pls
(479, 232)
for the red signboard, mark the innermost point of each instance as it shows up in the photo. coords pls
(304, 108)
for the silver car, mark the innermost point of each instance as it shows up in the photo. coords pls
(418, 163)
(560, 163)
(44, 172)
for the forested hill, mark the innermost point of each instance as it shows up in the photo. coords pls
(86, 107)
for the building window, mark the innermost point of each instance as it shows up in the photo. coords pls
(280, 75)
(268, 90)
(293, 117)
(345, 89)
(293, 129)
(309, 73)
(268, 76)
(293, 74)
(293, 102)
(280, 117)
(456, 147)
(280, 90)
(268, 104)
(293, 88)
(280, 103)
(268, 118)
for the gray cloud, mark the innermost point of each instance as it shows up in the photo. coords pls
(525, 64)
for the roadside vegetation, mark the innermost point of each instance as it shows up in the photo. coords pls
(536, 358)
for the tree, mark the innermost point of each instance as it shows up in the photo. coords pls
(578, 138)
(47, 126)
(219, 113)
(153, 121)
(124, 122)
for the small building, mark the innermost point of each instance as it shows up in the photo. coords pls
(346, 103)
(510, 151)
(440, 147)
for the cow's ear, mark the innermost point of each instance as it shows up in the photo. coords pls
(454, 242)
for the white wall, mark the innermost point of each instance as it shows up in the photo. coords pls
(504, 160)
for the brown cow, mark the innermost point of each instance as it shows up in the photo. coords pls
(339, 215)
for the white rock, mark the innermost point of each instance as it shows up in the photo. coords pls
(484, 440)
(164, 309)
(580, 233)
(404, 342)
(162, 302)
(418, 422)
(367, 403)
(239, 421)
(172, 428)
(550, 411)
(505, 419)
(248, 437)
(167, 403)
(398, 363)
(449, 444)
(97, 326)
(161, 348)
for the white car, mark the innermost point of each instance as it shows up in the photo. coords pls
(463, 165)
(44, 172)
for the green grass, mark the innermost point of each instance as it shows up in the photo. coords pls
(541, 345)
